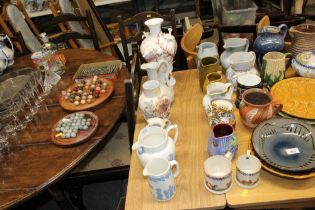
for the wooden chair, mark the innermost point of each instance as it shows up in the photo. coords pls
(73, 35)
(60, 7)
(189, 42)
(138, 21)
(13, 19)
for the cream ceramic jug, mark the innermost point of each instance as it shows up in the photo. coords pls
(155, 142)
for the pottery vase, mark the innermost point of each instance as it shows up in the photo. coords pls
(231, 46)
(154, 101)
(257, 106)
(240, 63)
(158, 45)
(270, 39)
(207, 65)
(303, 38)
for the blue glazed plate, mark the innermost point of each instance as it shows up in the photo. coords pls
(285, 145)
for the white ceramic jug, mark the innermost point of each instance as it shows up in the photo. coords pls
(6, 53)
(155, 142)
(206, 49)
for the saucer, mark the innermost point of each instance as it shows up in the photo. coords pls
(218, 192)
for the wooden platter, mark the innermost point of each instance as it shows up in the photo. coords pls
(83, 135)
(66, 104)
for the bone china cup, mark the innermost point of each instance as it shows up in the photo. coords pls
(218, 173)
(247, 171)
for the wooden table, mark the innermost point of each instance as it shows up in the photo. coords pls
(33, 161)
(191, 151)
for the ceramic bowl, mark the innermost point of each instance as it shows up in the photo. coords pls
(286, 145)
(304, 64)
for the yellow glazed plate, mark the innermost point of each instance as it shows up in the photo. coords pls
(297, 96)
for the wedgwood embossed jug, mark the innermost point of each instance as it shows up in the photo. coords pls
(155, 142)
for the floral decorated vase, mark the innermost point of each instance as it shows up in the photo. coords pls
(154, 101)
(158, 45)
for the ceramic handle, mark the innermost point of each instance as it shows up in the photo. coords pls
(230, 89)
(175, 163)
(292, 32)
(247, 45)
(170, 127)
(283, 30)
(135, 145)
(277, 108)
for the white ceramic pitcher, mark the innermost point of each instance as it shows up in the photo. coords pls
(155, 142)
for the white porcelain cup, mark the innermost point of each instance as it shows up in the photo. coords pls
(247, 170)
(218, 173)
(161, 178)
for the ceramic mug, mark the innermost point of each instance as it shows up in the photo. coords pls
(257, 106)
(161, 178)
(247, 170)
(273, 67)
(218, 173)
(222, 140)
(245, 82)
(207, 65)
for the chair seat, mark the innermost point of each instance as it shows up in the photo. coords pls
(115, 153)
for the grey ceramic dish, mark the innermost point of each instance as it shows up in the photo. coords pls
(285, 144)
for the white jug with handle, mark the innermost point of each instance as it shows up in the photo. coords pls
(154, 142)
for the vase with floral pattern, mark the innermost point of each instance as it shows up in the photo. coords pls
(154, 101)
(158, 45)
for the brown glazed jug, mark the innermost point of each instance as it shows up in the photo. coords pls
(303, 38)
(257, 106)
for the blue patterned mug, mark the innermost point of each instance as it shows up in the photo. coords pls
(161, 178)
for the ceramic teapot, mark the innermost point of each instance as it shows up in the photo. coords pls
(231, 46)
(158, 45)
(155, 142)
(270, 39)
(6, 53)
(304, 64)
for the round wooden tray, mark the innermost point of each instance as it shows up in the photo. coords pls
(66, 104)
(82, 135)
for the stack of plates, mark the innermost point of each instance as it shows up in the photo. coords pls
(297, 97)
(286, 147)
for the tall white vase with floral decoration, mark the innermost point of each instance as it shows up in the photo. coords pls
(158, 45)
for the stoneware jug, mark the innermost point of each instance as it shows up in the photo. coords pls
(154, 101)
(270, 38)
(161, 178)
(257, 106)
(207, 65)
(206, 49)
(231, 46)
(161, 71)
(155, 142)
(241, 63)
(158, 45)
(303, 38)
